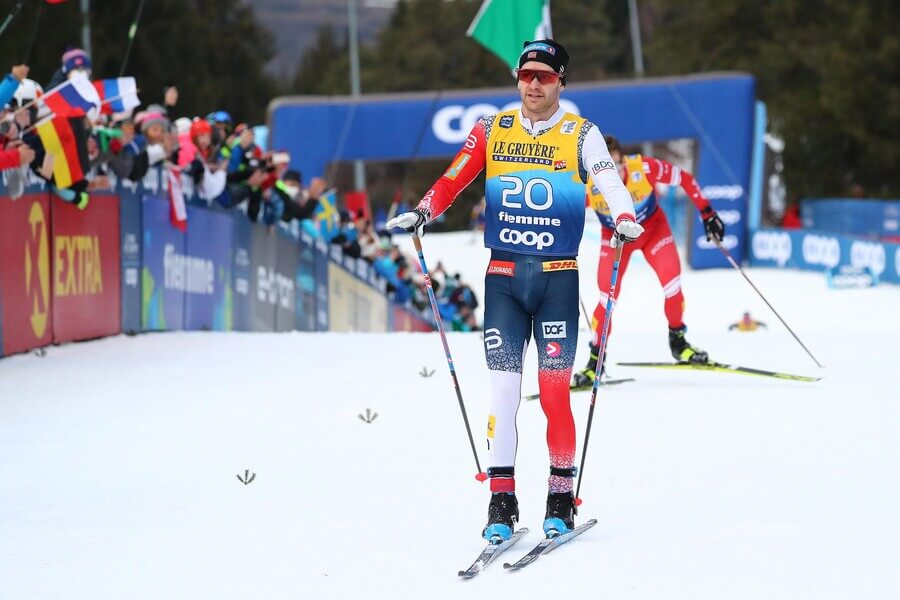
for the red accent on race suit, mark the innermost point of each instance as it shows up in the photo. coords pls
(445, 190)
(658, 247)
(661, 171)
(554, 388)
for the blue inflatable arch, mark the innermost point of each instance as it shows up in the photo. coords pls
(716, 110)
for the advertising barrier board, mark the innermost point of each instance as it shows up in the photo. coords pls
(25, 274)
(163, 281)
(85, 269)
(207, 271)
(823, 251)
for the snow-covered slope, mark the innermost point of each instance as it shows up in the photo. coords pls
(119, 459)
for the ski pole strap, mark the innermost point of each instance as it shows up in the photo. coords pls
(564, 471)
(501, 472)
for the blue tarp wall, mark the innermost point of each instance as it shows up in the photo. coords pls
(717, 110)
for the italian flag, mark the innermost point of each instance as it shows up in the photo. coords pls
(503, 26)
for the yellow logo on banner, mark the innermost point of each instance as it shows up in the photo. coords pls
(492, 421)
(37, 270)
(78, 266)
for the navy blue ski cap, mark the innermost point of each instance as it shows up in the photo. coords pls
(548, 52)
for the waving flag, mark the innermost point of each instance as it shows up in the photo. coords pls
(66, 140)
(502, 26)
(74, 98)
(177, 209)
(117, 95)
(326, 214)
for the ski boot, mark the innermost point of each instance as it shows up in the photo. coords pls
(682, 351)
(585, 377)
(503, 514)
(560, 513)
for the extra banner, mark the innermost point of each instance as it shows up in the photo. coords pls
(25, 274)
(85, 269)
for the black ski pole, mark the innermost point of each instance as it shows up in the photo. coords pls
(741, 271)
(12, 15)
(131, 33)
(603, 335)
(481, 476)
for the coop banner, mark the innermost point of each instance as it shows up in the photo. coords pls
(85, 269)
(822, 251)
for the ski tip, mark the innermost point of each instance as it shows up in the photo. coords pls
(507, 565)
(482, 477)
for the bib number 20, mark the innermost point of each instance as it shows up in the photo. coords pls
(512, 196)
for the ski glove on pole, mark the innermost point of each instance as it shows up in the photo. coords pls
(626, 231)
(413, 222)
(715, 228)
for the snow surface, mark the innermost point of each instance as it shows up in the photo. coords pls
(120, 456)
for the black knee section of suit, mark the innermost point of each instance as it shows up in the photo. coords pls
(564, 471)
(502, 472)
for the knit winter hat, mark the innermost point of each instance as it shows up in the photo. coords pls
(548, 52)
(154, 118)
(75, 58)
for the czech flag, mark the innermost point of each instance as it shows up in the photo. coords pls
(117, 95)
(74, 98)
(66, 140)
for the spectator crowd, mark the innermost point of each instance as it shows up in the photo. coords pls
(78, 143)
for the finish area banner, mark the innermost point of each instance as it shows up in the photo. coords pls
(86, 287)
(25, 277)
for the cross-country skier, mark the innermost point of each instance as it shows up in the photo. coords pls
(538, 159)
(641, 174)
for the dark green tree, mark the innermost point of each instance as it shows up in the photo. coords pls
(827, 70)
(424, 47)
(213, 50)
(324, 68)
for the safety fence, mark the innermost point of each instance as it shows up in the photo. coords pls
(121, 266)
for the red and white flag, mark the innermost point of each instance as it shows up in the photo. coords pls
(177, 208)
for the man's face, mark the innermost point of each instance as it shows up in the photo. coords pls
(538, 97)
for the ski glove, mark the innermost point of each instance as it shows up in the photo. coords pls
(715, 228)
(626, 231)
(413, 222)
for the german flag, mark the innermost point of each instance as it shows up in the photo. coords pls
(66, 139)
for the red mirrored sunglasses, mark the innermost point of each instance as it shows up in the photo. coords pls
(543, 77)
